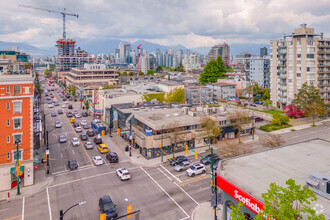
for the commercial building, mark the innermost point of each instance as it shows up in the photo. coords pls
(198, 94)
(16, 101)
(245, 178)
(191, 61)
(300, 57)
(258, 70)
(13, 62)
(222, 50)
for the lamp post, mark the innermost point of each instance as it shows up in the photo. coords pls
(47, 151)
(63, 213)
(17, 166)
(162, 153)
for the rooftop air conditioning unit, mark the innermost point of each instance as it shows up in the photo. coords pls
(199, 109)
(192, 113)
(185, 110)
(320, 182)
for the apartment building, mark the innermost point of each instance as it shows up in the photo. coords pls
(198, 94)
(222, 50)
(258, 70)
(92, 75)
(16, 124)
(300, 57)
(222, 90)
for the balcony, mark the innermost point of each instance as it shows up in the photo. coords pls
(324, 90)
(282, 76)
(323, 77)
(282, 88)
(282, 83)
(282, 58)
(323, 52)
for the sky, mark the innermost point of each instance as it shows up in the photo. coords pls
(192, 23)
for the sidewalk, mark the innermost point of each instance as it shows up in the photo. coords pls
(204, 211)
(299, 127)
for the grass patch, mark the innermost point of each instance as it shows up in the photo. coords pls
(273, 111)
(293, 130)
(272, 127)
(207, 150)
(313, 125)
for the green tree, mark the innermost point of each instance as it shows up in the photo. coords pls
(279, 119)
(179, 68)
(211, 128)
(315, 109)
(162, 76)
(239, 118)
(159, 69)
(131, 74)
(141, 73)
(86, 103)
(267, 102)
(150, 72)
(124, 74)
(290, 202)
(72, 89)
(230, 69)
(266, 95)
(148, 97)
(118, 73)
(175, 95)
(306, 96)
(214, 70)
(168, 77)
(106, 87)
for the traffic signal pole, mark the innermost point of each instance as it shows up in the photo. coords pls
(17, 168)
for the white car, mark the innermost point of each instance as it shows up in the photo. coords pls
(66, 102)
(63, 106)
(77, 115)
(75, 141)
(83, 122)
(50, 106)
(196, 169)
(97, 160)
(78, 129)
(123, 174)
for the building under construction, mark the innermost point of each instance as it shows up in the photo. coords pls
(68, 57)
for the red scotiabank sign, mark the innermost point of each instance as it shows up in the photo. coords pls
(251, 203)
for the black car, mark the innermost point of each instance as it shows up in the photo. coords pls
(69, 114)
(70, 99)
(75, 124)
(70, 107)
(90, 133)
(84, 114)
(112, 157)
(54, 114)
(60, 111)
(83, 137)
(208, 159)
(98, 140)
(107, 206)
(72, 164)
(178, 160)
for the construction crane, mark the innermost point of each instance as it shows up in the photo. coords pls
(64, 13)
(138, 58)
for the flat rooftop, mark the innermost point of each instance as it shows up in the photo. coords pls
(253, 173)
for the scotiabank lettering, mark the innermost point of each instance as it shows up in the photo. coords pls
(246, 202)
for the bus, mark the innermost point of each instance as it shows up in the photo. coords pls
(98, 127)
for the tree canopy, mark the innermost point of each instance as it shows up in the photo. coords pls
(159, 69)
(150, 72)
(175, 95)
(214, 70)
(179, 68)
(306, 96)
(131, 74)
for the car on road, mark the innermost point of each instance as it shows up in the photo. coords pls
(72, 120)
(60, 111)
(253, 105)
(77, 115)
(88, 145)
(66, 102)
(85, 126)
(83, 122)
(75, 141)
(70, 106)
(78, 129)
(103, 148)
(196, 169)
(63, 106)
(72, 164)
(56, 104)
(178, 160)
(107, 206)
(50, 106)
(69, 114)
(257, 119)
(84, 114)
(48, 98)
(97, 160)
(123, 174)
(53, 114)
(208, 158)
(112, 157)
(182, 166)
(62, 139)
(75, 124)
(58, 124)
(97, 140)
(64, 99)
(74, 112)
(91, 133)
(83, 137)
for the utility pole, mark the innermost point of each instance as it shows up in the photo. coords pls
(18, 167)
(47, 154)
(162, 144)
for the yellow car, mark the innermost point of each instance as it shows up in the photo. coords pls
(103, 148)
(72, 120)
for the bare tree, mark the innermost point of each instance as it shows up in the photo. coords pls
(173, 131)
(210, 127)
(239, 118)
(272, 140)
(234, 149)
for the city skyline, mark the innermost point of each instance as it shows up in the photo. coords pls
(189, 23)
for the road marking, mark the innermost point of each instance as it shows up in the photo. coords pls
(187, 194)
(3, 210)
(187, 216)
(165, 174)
(49, 209)
(193, 180)
(177, 179)
(184, 218)
(23, 208)
(73, 152)
(13, 217)
(203, 189)
(62, 155)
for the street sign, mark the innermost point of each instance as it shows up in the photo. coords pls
(129, 210)
(47, 152)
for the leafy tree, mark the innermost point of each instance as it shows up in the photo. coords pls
(266, 95)
(230, 69)
(168, 77)
(124, 74)
(179, 68)
(174, 132)
(306, 96)
(238, 118)
(118, 73)
(267, 102)
(214, 70)
(131, 74)
(159, 69)
(46, 71)
(279, 119)
(72, 89)
(175, 95)
(211, 128)
(150, 72)
(290, 202)
(293, 112)
(162, 76)
(86, 103)
(148, 97)
(106, 87)
(315, 109)
(38, 88)
(141, 73)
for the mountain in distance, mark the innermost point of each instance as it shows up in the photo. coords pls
(27, 48)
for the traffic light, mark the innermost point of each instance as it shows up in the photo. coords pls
(131, 141)
(186, 149)
(118, 131)
(103, 133)
(160, 145)
(196, 155)
(19, 163)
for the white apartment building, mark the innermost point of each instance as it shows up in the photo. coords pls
(257, 70)
(300, 57)
(191, 61)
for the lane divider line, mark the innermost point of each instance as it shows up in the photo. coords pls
(164, 174)
(49, 209)
(177, 179)
(193, 180)
(23, 207)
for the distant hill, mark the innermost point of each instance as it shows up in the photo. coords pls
(27, 48)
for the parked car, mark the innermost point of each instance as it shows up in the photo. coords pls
(183, 166)
(62, 139)
(84, 114)
(97, 140)
(72, 120)
(196, 169)
(178, 160)
(53, 114)
(88, 145)
(207, 159)
(253, 105)
(90, 133)
(97, 160)
(75, 124)
(112, 157)
(69, 114)
(103, 148)
(50, 106)
(63, 106)
(75, 142)
(107, 206)
(83, 122)
(60, 111)
(123, 174)
(56, 104)
(66, 102)
(257, 119)
(83, 137)
(72, 164)
(70, 107)
(58, 124)
(77, 115)
(85, 126)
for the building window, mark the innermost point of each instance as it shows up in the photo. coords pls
(8, 105)
(17, 123)
(19, 154)
(27, 90)
(8, 139)
(17, 107)
(8, 156)
(17, 137)
(8, 89)
(8, 122)
(17, 90)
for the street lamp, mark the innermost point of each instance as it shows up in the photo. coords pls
(47, 150)
(63, 213)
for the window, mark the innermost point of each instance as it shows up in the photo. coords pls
(8, 156)
(8, 89)
(8, 105)
(17, 107)
(17, 90)
(310, 55)
(17, 123)
(298, 55)
(8, 122)
(17, 137)
(27, 90)
(19, 154)
(8, 139)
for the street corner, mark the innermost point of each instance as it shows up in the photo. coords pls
(203, 211)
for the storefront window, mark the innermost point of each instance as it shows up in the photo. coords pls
(229, 210)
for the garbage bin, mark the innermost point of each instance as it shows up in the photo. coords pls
(126, 148)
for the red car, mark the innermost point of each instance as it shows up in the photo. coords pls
(257, 119)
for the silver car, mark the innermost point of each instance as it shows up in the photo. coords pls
(88, 145)
(58, 124)
(183, 166)
(62, 139)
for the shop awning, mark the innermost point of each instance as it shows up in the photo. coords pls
(312, 182)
